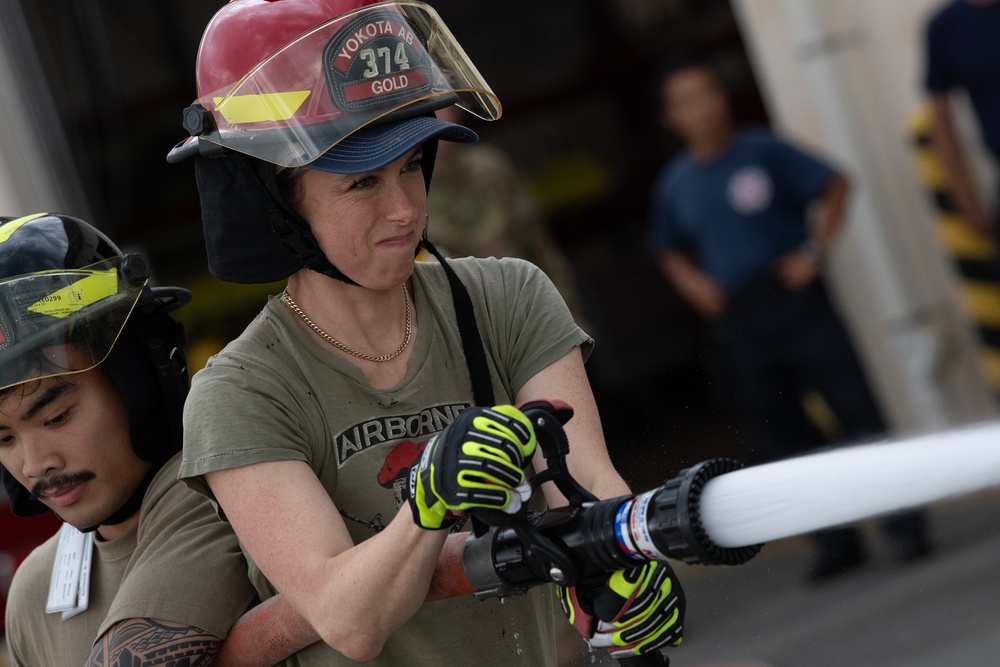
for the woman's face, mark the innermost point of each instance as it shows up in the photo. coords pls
(368, 225)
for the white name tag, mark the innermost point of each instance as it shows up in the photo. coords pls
(69, 585)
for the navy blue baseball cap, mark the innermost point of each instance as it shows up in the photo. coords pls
(375, 146)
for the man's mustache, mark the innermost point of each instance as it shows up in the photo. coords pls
(59, 482)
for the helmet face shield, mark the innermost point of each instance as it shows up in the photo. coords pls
(384, 61)
(62, 321)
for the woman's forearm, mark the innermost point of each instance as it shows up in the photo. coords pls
(274, 630)
(354, 595)
(373, 588)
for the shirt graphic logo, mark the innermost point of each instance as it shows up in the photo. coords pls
(377, 430)
(749, 191)
(395, 473)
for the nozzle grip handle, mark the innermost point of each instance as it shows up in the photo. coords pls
(652, 659)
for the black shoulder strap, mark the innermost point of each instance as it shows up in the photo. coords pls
(472, 344)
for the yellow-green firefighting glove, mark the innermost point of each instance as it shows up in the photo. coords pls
(637, 610)
(477, 461)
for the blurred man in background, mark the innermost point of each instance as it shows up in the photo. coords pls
(732, 233)
(963, 54)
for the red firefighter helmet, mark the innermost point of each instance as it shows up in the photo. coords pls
(285, 80)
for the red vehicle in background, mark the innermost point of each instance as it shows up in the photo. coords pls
(18, 536)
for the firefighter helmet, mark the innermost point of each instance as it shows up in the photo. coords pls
(70, 300)
(286, 80)
(61, 281)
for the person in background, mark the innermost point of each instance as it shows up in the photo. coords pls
(92, 386)
(732, 234)
(963, 54)
(481, 207)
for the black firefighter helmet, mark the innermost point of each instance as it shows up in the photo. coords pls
(64, 284)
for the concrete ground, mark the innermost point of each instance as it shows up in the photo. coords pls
(944, 610)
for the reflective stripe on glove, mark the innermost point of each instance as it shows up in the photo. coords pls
(477, 461)
(637, 610)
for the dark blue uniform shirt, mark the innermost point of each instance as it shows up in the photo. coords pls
(963, 51)
(738, 213)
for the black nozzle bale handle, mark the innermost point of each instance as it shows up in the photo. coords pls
(652, 659)
(548, 418)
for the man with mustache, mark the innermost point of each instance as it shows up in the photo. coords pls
(92, 384)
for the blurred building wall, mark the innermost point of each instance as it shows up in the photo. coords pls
(844, 76)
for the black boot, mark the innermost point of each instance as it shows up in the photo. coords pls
(839, 552)
(907, 532)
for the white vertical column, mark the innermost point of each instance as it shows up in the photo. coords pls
(828, 82)
(36, 172)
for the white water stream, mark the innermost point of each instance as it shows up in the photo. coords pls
(807, 493)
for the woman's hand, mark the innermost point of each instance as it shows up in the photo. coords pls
(635, 611)
(476, 462)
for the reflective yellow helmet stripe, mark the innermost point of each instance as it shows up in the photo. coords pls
(71, 299)
(14, 225)
(237, 109)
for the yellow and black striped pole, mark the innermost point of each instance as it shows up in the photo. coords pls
(974, 255)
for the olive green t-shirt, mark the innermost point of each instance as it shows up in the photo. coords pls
(180, 564)
(276, 393)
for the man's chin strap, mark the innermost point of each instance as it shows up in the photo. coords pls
(131, 506)
(21, 502)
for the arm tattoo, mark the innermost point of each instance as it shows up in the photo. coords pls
(143, 642)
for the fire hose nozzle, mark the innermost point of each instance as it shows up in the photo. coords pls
(564, 545)
(675, 522)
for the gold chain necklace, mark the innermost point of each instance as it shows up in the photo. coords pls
(286, 298)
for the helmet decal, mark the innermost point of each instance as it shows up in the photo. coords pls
(375, 60)
(238, 109)
(71, 299)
